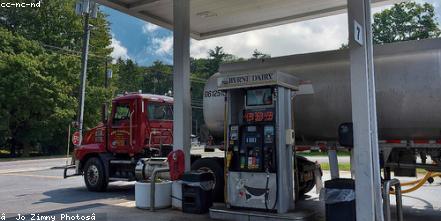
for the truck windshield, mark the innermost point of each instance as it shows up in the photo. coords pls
(160, 111)
(122, 112)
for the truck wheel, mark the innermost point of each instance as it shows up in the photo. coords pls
(94, 175)
(211, 165)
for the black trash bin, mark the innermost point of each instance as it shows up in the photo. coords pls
(340, 200)
(197, 190)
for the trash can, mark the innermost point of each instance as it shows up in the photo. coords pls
(339, 197)
(197, 190)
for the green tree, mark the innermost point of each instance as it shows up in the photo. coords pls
(216, 57)
(35, 99)
(129, 78)
(54, 23)
(158, 78)
(344, 46)
(259, 55)
(201, 70)
(405, 21)
(55, 29)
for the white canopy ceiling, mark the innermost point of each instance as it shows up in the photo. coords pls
(213, 18)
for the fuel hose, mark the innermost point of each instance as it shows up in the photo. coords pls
(417, 183)
(226, 157)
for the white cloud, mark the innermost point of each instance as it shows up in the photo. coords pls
(327, 33)
(302, 37)
(437, 5)
(320, 34)
(162, 46)
(149, 27)
(119, 51)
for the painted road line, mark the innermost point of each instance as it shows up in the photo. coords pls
(129, 204)
(32, 175)
(24, 170)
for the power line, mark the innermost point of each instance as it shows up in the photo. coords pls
(192, 79)
(78, 54)
(72, 52)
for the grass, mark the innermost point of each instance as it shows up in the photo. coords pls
(319, 153)
(421, 171)
(5, 156)
(347, 167)
(4, 152)
(341, 166)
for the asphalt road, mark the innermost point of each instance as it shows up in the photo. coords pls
(37, 187)
(56, 163)
(30, 165)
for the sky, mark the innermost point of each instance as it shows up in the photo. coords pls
(145, 43)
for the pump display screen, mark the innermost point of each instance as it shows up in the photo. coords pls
(259, 97)
(254, 116)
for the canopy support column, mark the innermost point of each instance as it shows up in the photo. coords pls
(364, 114)
(181, 79)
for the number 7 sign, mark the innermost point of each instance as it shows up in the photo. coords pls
(358, 33)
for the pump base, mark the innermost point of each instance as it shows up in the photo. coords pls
(220, 212)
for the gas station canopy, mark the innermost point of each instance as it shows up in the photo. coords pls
(214, 18)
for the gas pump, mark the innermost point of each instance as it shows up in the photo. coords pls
(260, 138)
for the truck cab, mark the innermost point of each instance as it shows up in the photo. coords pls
(139, 126)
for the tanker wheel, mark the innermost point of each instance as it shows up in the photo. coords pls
(211, 165)
(94, 175)
(307, 186)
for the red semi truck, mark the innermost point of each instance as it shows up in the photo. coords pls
(140, 127)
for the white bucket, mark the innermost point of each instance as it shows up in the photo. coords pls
(162, 194)
(177, 195)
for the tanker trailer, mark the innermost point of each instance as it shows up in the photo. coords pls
(408, 89)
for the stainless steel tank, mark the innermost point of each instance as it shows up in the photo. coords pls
(146, 166)
(408, 83)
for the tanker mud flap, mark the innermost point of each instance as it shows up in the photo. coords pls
(318, 173)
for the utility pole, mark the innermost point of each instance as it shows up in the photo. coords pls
(83, 8)
(107, 75)
(196, 132)
(155, 81)
(106, 83)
